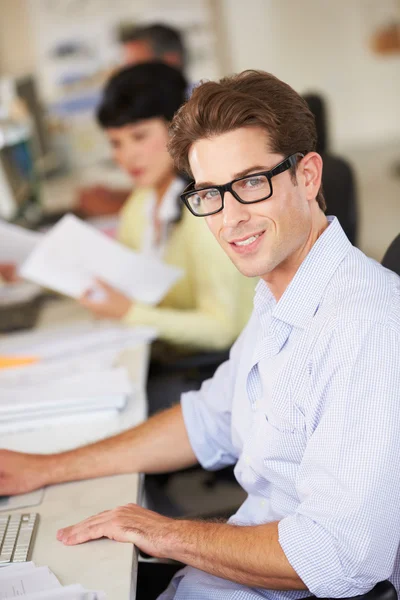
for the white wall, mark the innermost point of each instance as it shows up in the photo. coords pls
(17, 56)
(323, 45)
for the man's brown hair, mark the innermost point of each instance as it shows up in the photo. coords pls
(252, 98)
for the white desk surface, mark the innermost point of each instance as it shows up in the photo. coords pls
(102, 564)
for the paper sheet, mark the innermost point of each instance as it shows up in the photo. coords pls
(76, 390)
(28, 581)
(74, 341)
(73, 254)
(23, 582)
(16, 243)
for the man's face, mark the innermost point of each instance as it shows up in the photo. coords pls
(137, 52)
(140, 51)
(280, 225)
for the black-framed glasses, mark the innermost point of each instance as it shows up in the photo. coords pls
(246, 190)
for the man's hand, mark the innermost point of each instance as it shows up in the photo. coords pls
(249, 555)
(109, 304)
(131, 523)
(20, 473)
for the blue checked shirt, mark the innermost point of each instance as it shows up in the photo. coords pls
(308, 408)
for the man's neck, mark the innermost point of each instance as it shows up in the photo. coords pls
(279, 279)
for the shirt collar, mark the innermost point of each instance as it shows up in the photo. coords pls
(169, 208)
(302, 297)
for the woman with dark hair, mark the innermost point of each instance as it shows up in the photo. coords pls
(209, 306)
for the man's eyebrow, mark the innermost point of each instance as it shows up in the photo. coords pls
(253, 169)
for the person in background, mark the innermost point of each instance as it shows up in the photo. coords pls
(156, 42)
(210, 304)
(153, 42)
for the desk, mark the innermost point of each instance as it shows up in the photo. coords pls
(102, 564)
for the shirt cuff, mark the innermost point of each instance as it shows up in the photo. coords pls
(210, 457)
(311, 552)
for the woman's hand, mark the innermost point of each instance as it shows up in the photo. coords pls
(105, 301)
(8, 272)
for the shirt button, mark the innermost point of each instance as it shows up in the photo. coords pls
(247, 459)
(262, 502)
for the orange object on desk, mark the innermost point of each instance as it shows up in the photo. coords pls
(8, 362)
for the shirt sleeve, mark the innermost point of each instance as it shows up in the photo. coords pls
(344, 536)
(207, 415)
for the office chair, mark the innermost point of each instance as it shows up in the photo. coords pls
(171, 375)
(391, 260)
(338, 181)
(383, 590)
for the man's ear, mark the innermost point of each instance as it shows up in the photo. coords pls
(311, 169)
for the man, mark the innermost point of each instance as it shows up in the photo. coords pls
(153, 42)
(139, 44)
(307, 406)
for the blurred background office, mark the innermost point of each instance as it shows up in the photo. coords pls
(60, 52)
(56, 55)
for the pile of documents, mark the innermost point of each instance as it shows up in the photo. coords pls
(26, 580)
(39, 404)
(72, 375)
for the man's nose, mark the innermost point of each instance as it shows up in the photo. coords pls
(234, 212)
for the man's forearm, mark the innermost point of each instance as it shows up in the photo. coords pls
(251, 555)
(159, 445)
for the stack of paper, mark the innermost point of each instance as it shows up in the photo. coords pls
(72, 255)
(26, 580)
(75, 340)
(36, 405)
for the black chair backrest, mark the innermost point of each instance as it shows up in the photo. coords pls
(391, 260)
(338, 181)
(384, 590)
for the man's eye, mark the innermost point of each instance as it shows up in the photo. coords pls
(211, 194)
(253, 182)
(196, 200)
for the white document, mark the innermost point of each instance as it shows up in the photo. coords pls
(104, 389)
(71, 592)
(90, 420)
(35, 406)
(14, 584)
(74, 341)
(17, 243)
(73, 254)
(26, 580)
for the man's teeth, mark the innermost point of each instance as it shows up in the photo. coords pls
(249, 240)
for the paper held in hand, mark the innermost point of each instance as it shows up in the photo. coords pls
(72, 255)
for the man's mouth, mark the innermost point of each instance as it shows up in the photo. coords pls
(247, 243)
(248, 240)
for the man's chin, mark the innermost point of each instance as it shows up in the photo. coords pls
(248, 268)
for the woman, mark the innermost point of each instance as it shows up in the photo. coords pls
(210, 304)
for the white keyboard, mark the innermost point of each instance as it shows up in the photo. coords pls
(16, 536)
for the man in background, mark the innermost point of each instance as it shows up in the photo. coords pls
(139, 44)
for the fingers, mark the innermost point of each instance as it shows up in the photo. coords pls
(91, 528)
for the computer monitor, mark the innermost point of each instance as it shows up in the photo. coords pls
(17, 173)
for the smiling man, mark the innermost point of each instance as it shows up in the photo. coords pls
(307, 406)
